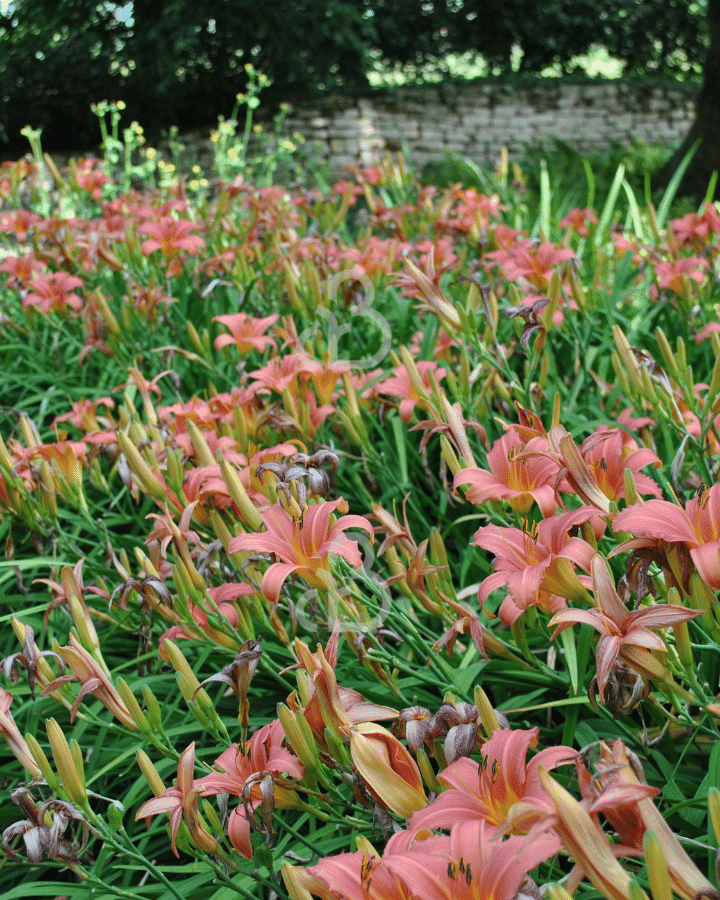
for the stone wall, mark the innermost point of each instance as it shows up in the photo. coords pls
(478, 119)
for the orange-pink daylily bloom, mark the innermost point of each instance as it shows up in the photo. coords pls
(515, 475)
(94, 679)
(254, 773)
(530, 263)
(617, 791)
(587, 844)
(54, 291)
(608, 452)
(466, 865)
(620, 629)
(170, 236)
(673, 274)
(302, 545)
(181, 802)
(697, 527)
(246, 332)
(399, 384)
(537, 565)
(503, 789)
(14, 739)
(470, 864)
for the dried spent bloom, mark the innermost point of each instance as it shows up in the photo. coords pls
(28, 659)
(238, 674)
(43, 841)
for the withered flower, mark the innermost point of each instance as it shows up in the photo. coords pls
(303, 466)
(238, 674)
(459, 724)
(625, 690)
(415, 724)
(28, 659)
(530, 316)
(42, 840)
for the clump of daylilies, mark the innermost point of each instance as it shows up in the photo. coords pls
(374, 540)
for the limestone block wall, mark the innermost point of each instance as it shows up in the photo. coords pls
(478, 119)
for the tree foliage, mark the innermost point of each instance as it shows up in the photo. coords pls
(182, 61)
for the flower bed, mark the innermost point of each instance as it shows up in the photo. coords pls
(365, 536)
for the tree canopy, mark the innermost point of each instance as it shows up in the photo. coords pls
(182, 61)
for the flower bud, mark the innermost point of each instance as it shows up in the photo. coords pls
(68, 764)
(388, 769)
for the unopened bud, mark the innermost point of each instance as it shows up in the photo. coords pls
(68, 764)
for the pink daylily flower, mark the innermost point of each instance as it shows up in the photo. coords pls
(503, 790)
(181, 802)
(515, 475)
(528, 264)
(54, 291)
(697, 527)
(620, 629)
(302, 546)
(470, 864)
(608, 452)
(171, 235)
(254, 772)
(246, 333)
(537, 567)
(670, 274)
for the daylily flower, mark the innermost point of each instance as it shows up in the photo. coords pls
(618, 793)
(54, 291)
(620, 629)
(503, 789)
(400, 384)
(424, 286)
(14, 739)
(254, 772)
(697, 527)
(181, 803)
(326, 704)
(303, 545)
(467, 865)
(246, 333)
(675, 274)
(387, 768)
(537, 567)
(580, 220)
(470, 864)
(530, 263)
(170, 236)
(586, 843)
(515, 475)
(608, 452)
(94, 679)
(352, 876)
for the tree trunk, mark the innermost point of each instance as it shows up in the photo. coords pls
(706, 126)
